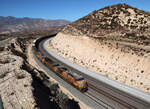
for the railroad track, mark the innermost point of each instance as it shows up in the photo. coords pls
(111, 98)
(98, 100)
(105, 92)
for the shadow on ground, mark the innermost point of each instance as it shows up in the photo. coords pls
(42, 95)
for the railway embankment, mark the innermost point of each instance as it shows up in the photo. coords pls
(25, 86)
(112, 41)
(123, 62)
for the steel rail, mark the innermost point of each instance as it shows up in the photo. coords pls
(98, 100)
(116, 95)
(128, 106)
(88, 100)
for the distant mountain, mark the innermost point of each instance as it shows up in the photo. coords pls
(117, 22)
(11, 25)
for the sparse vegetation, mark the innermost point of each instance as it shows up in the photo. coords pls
(120, 18)
(20, 76)
(118, 46)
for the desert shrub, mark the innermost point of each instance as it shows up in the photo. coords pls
(131, 36)
(20, 76)
(129, 20)
(145, 22)
(143, 37)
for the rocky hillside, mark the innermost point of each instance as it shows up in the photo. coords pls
(24, 85)
(117, 22)
(12, 25)
(113, 41)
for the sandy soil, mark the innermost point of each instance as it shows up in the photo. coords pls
(120, 63)
(32, 61)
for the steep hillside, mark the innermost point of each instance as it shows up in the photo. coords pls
(12, 25)
(118, 22)
(113, 41)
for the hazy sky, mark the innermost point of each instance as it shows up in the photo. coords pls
(61, 9)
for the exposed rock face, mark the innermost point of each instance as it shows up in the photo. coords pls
(22, 86)
(15, 84)
(121, 22)
(113, 41)
(124, 63)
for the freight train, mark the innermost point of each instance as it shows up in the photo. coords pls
(71, 77)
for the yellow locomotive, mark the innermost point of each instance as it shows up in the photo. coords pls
(73, 78)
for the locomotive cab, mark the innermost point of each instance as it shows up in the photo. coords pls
(83, 86)
(62, 69)
(81, 83)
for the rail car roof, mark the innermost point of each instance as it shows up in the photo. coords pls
(76, 76)
(47, 59)
(55, 64)
(63, 68)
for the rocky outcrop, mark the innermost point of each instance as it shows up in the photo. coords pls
(15, 84)
(23, 86)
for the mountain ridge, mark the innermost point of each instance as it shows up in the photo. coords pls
(117, 20)
(12, 25)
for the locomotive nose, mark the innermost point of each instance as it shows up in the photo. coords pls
(84, 84)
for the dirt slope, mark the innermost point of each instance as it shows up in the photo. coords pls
(112, 42)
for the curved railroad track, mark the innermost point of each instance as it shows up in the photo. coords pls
(106, 92)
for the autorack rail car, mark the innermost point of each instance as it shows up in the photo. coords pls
(71, 77)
